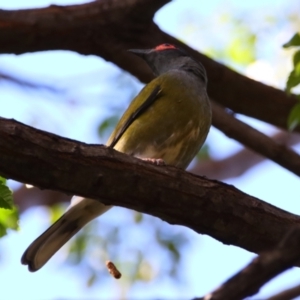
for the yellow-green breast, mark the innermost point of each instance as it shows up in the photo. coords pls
(174, 127)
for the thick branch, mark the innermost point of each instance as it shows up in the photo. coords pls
(206, 206)
(108, 27)
(262, 269)
(232, 166)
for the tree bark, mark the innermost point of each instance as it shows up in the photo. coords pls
(178, 197)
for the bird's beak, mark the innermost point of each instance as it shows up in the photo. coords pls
(139, 52)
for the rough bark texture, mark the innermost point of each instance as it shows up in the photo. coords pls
(206, 206)
(230, 167)
(108, 28)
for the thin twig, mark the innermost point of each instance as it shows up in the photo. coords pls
(240, 162)
(24, 83)
(288, 294)
(255, 140)
(262, 269)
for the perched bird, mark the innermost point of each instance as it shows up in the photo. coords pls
(168, 120)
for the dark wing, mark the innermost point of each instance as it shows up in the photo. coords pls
(141, 109)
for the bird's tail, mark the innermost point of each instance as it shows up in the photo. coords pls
(81, 211)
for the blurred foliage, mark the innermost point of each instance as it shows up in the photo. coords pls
(294, 117)
(6, 200)
(9, 219)
(9, 216)
(140, 257)
(141, 253)
(234, 39)
(56, 212)
(294, 80)
(203, 154)
(294, 77)
(107, 125)
(294, 41)
(240, 49)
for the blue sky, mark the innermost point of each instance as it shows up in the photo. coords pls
(207, 263)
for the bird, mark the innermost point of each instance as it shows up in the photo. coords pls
(168, 121)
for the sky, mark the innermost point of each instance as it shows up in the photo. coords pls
(83, 80)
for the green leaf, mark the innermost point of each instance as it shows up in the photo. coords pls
(6, 200)
(294, 117)
(2, 230)
(9, 216)
(296, 58)
(9, 219)
(2, 180)
(294, 41)
(297, 69)
(293, 79)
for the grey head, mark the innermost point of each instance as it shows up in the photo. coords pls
(166, 57)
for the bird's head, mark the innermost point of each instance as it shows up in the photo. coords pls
(166, 57)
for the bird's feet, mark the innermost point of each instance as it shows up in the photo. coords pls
(155, 161)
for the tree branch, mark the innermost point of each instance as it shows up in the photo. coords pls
(262, 269)
(25, 198)
(291, 293)
(232, 166)
(18, 81)
(109, 27)
(239, 163)
(206, 206)
(255, 140)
